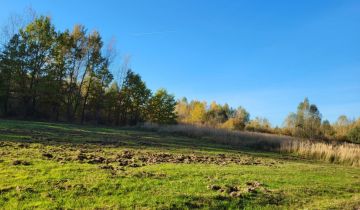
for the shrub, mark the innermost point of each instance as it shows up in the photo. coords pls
(354, 134)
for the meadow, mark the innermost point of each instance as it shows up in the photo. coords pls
(66, 166)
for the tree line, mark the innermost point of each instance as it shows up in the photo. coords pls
(64, 76)
(306, 122)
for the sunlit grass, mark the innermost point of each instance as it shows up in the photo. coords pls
(63, 181)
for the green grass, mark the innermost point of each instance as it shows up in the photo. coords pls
(85, 167)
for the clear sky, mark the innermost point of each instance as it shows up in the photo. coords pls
(263, 55)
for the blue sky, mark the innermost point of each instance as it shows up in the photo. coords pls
(263, 55)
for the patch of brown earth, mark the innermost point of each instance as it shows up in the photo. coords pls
(47, 155)
(252, 187)
(21, 162)
(132, 158)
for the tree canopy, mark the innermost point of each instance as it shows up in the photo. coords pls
(65, 75)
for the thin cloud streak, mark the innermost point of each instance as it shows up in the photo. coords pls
(152, 33)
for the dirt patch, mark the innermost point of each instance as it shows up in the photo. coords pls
(107, 167)
(221, 159)
(214, 187)
(126, 155)
(251, 187)
(133, 158)
(21, 162)
(81, 156)
(96, 160)
(135, 165)
(47, 155)
(6, 189)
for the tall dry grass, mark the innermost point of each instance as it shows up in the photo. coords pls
(344, 153)
(223, 136)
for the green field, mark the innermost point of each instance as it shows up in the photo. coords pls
(63, 166)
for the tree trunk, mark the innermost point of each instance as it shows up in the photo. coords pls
(85, 100)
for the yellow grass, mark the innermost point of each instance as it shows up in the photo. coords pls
(338, 153)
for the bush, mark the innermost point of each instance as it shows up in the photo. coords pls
(354, 134)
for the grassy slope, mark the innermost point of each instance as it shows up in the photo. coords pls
(76, 175)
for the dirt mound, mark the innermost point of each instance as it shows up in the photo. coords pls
(95, 160)
(221, 159)
(126, 154)
(252, 187)
(136, 158)
(108, 167)
(21, 162)
(47, 155)
(214, 187)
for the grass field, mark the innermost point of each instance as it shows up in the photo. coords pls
(63, 166)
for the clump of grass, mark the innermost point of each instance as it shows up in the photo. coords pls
(345, 153)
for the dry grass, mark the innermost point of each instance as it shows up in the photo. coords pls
(223, 136)
(344, 153)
